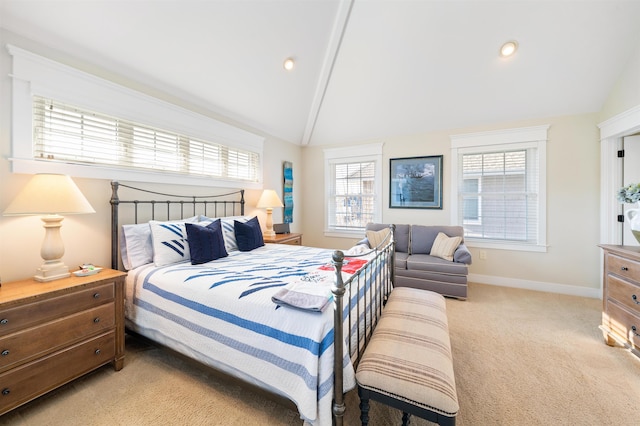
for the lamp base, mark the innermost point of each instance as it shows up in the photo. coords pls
(269, 234)
(51, 271)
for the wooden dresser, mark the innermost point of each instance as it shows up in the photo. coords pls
(291, 239)
(54, 332)
(621, 296)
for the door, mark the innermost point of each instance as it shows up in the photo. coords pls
(630, 174)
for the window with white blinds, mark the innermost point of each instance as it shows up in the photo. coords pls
(499, 188)
(70, 134)
(499, 195)
(351, 204)
(353, 189)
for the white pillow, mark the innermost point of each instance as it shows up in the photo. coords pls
(136, 248)
(136, 245)
(444, 246)
(376, 238)
(169, 240)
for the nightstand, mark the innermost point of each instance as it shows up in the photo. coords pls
(291, 239)
(54, 332)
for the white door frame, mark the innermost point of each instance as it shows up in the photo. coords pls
(611, 133)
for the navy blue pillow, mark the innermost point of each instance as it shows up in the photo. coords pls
(248, 234)
(206, 243)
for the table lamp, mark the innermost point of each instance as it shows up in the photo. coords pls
(50, 195)
(268, 200)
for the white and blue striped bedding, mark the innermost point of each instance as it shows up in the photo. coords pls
(221, 314)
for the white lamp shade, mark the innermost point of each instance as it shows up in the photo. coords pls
(269, 199)
(48, 194)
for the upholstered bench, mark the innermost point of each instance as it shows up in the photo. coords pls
(408, 364)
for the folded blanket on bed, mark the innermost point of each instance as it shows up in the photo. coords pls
(349, 265)
(311, 293)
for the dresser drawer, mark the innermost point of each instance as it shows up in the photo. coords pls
(623, 267)
(36, 341)
(622, 323)
(625, 292)
(293, 242)
(24, 316)
(25, 383)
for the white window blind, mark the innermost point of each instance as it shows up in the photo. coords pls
(67, 133)
(499, 195)
(353, 188)
(351, 203)
(499, 188)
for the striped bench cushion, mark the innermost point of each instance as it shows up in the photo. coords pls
(409, 355)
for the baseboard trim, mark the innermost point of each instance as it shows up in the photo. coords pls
(571, 290)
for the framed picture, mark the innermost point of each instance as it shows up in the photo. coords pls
(415, 182)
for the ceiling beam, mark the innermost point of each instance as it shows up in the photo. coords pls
(333, 48)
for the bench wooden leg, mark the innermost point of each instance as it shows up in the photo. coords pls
(406, 418)
(364, 406)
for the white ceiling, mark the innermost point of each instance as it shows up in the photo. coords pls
(365, 69)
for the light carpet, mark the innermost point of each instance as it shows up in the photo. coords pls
(520, 358)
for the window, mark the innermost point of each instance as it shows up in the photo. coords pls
(68, 121)
(499, 188)
(354, 185)
(71, 134)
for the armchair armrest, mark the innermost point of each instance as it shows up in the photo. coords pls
(462, 255)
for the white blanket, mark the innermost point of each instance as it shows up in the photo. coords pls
(222, 314)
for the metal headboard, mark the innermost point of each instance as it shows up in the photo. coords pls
(177, 206)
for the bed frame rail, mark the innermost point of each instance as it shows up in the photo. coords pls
(375, 281)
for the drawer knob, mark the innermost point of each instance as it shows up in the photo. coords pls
(96, 296)
(634, 330)
(624, 268)
(635, 299)
(6, 391)
(97, 352)
(96, 320)
(4, 321)
(5, 352)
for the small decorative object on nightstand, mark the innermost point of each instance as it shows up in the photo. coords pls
(291, 239)
(621, 296)
(54, 332)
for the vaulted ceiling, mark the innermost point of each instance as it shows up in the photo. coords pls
(364, 68)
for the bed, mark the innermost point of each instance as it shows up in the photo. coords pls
(292, 320)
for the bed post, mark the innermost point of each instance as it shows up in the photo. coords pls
(338, 291)
(114, 224)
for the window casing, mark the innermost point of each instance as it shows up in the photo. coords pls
(186, 148)
(353, 188)
(499, 188)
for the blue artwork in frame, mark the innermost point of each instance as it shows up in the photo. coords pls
(288, 191)
(415, 182)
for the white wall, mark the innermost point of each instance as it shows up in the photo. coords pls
(87, 237)
(571, 264)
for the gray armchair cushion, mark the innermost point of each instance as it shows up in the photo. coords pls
(422, 237)
(426, 263)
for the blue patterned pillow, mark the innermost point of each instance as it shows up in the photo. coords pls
(169, 242)
(248, 234)
(206, 243)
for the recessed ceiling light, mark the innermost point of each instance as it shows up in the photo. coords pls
(289, 63)
(509, 48)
